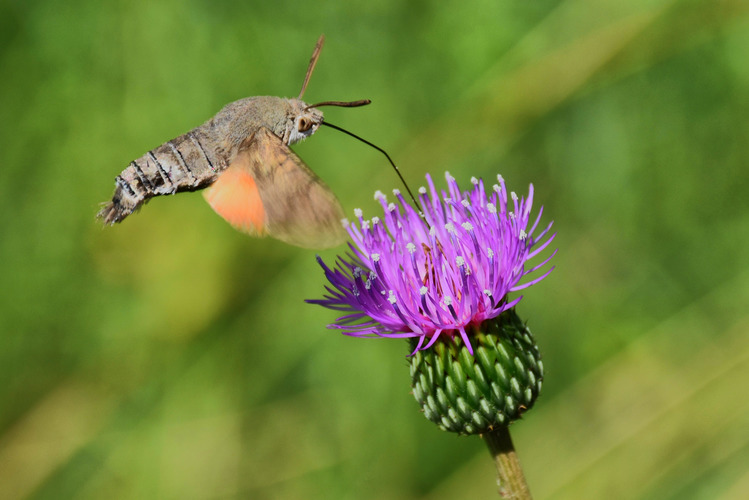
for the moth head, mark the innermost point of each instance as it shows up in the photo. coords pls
(302, 122)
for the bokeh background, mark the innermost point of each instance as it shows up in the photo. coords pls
(172, 357)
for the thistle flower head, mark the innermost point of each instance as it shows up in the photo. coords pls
(437, 273)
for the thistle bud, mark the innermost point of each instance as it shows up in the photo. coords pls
(473, 394)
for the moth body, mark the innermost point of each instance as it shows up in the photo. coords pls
(193, 160)
(254, 180)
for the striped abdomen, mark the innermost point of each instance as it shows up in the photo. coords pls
(186, 163)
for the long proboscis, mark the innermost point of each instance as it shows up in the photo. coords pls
(397, 171)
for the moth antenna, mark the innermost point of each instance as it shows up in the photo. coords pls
(312, 63)
(397, 171)
(343, 104)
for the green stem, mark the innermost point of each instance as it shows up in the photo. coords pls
(510, 478)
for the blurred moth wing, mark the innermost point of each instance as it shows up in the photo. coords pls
(268, 190)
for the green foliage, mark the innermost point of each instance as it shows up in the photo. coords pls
(172, 357)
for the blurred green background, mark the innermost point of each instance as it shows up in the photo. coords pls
(172, 357)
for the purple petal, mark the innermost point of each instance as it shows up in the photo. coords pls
(408, 275)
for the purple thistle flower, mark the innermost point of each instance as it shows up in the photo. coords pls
(413, 276)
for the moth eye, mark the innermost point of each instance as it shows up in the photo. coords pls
(305, 124)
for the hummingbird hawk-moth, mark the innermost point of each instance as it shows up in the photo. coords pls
(253, 180)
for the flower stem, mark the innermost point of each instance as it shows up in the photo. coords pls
(510, 478)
